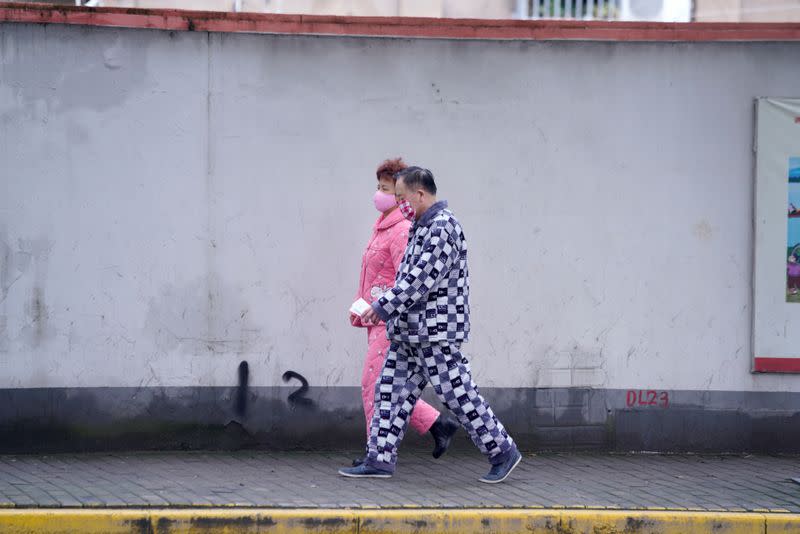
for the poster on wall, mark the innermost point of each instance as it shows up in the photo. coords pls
(793, 233)
(776, 280)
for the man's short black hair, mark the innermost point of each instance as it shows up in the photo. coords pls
(418, 178)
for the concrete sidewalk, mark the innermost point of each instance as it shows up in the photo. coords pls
(732, 487)
(309, 480)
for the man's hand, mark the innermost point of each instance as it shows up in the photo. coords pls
(370, 317)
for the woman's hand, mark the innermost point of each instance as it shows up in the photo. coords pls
(355, 320)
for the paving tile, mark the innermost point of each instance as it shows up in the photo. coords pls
(293, 480)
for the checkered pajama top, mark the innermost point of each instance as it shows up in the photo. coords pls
(429, 302)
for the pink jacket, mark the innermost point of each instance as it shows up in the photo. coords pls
(382, 257)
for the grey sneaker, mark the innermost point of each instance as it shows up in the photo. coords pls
(500, 472)
(363, 471)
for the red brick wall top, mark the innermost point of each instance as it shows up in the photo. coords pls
(173, 19)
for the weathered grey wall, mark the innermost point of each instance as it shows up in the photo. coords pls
(176, 203)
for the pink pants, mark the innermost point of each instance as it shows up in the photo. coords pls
(423, 416)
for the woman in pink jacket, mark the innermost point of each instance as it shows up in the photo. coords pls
(378, 269)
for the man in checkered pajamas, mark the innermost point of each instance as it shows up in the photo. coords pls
(427, 320)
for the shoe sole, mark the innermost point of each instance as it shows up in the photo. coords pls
(348, 475)
(505, 477)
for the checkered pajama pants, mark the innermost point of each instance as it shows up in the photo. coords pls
(406, 371)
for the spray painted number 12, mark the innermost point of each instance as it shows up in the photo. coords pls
(647, 397)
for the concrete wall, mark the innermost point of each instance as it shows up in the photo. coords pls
(483, 9)
(747, 10)
(176, 203)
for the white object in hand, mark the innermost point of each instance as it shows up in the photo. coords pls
(359, 307)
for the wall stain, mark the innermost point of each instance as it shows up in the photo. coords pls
(234, 523)
(33, 256)
(140, 526)
(703, 230)
(329, 523)
(194, 320)
(112, 62)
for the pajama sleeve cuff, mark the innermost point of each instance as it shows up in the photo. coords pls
(380, 311)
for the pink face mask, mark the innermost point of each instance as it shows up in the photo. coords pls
(406, 209)
(383, 201)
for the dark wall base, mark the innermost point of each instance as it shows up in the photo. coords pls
(280, 418)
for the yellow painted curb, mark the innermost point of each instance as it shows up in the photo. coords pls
(349, 521)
